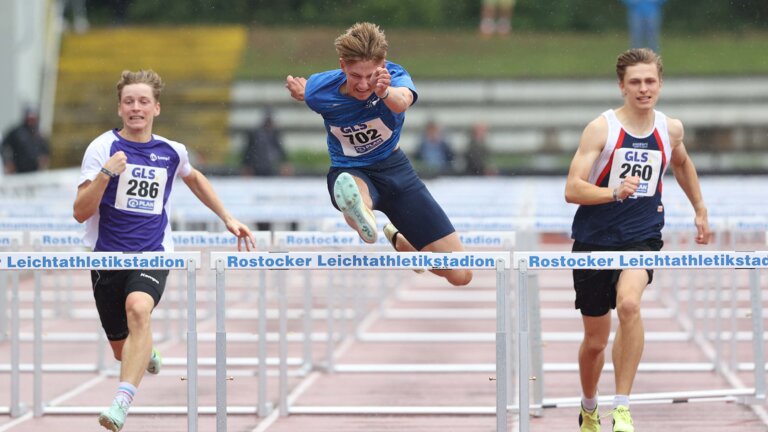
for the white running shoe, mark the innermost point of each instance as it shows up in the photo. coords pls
(351, 203)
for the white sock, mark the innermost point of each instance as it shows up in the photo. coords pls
(589, 404)
(621, 400)
(125, 393)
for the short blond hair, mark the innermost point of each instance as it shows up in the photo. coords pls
(636, 56)
(148, 77)
(361, 42)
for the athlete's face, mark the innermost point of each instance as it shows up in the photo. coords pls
(138, 108)
(641, 85)
(359, 74)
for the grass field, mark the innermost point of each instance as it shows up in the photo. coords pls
(273, 53)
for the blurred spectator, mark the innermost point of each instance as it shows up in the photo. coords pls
(264, 154)
(79, 15)
(644, 20)
(434, 152)
(477, 153)
(496, 17)
(24, 149)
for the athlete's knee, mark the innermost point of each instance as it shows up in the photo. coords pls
(628, 308)
(459, 277)
(138, 313)
(593, 345)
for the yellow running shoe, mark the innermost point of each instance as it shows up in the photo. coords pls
(589, 421)
(622, 420)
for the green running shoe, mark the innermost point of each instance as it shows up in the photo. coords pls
(113, 418)
(622, 420)
(589, 421)
(350, 202)
(155, 362)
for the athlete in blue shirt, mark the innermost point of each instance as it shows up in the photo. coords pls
(616, 178)
(363, 106)
(125, 182)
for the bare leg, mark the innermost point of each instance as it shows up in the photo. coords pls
(449, 243)
(137, 348)
(487, 20)
(630, 335)
(592, 352)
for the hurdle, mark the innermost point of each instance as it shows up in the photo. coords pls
(37, 261)
(498, 261)
(525, 262)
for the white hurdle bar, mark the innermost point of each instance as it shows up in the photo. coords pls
(363, 260)
(524, 262)
(36, 261)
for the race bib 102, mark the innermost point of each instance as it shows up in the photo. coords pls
(141, 189)
(359, 139)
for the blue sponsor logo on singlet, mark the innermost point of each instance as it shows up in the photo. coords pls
(141, 204)
(367, 147)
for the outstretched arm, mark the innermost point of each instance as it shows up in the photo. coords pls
(688, 179)
(201, 187)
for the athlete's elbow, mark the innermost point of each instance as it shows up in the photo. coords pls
(570, 197)
(80, 215)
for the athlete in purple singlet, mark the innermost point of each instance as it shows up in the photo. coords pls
(125, 181)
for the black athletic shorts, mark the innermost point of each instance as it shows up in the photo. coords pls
(111, 289)
(398, 192)
(596, 289)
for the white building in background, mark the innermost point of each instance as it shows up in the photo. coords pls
(29, 39)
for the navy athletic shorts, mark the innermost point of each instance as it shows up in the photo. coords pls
(111, 289)
(398, 192)
(596, 289)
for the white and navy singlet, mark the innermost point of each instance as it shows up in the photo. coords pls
(641, 216)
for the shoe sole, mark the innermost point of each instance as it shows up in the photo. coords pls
(350, 202)
(107, 423)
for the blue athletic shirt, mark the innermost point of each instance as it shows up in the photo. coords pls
(360, 133)
(641, 216)
(133, 213)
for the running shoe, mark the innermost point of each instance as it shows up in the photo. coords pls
(113, 418)
(351, 203)
(155, 362)
(391, 232)
(622, 420)
(589, 421)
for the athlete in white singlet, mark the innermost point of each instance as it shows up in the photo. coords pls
(616, 177)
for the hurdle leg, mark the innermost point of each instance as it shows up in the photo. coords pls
(37, 350)
(221, 350)
(523, 343)
(191, 348)
(757, 333)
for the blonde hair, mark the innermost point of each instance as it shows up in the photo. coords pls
(635, 56)
(149, 77)
(361, 42)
